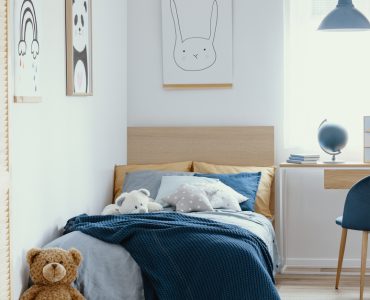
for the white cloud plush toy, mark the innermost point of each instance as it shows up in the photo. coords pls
(134, 202)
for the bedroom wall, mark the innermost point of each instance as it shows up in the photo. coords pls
(64, 149)
(255, 99)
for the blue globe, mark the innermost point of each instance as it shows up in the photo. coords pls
(332, 138)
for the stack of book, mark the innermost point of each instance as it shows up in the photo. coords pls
(303, 159)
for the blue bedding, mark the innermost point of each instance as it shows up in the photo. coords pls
(184, 257)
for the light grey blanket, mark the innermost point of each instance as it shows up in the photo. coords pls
(109, 272)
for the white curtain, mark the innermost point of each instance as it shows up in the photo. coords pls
(5, 291)
(327, 77)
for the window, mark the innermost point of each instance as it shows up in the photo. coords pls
(4, 157)
(327, 77)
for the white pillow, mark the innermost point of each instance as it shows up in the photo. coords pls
(222, 196)
(170, 184)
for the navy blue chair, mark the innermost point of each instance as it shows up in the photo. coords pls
(356, 216)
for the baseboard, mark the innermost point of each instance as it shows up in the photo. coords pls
(314, 282)
(321, 266)
(323, 262)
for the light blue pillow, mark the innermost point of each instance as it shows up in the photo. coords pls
(170, 184)
(244, 183)
(150, 180)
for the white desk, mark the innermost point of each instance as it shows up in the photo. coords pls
(326, 177)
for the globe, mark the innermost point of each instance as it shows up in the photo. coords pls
(332, 138)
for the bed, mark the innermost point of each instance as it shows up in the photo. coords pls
(110, 271)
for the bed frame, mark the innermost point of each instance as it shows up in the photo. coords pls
(240, 146)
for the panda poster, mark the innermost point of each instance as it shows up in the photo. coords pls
(79, 47)
(197, 43)
(27, 50)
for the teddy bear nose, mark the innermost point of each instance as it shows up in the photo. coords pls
(54, 265)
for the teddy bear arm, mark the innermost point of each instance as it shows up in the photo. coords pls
(31, 293)
(75, 294)
(111, 209)
(153, 206)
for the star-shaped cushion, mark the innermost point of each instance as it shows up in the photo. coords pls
(189, 198)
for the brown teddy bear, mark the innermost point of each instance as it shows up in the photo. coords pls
(52, 272)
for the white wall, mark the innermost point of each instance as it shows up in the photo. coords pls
(64, 149)
(256, 98)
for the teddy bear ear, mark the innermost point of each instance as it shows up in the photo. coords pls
(145, 192)
(32, 254)
(121, 198)
(76, 255)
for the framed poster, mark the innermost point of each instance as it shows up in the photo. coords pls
(28, 50)
(79, 47)
(197, 43)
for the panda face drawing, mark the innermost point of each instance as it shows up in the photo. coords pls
(80, 24)
(80, 45)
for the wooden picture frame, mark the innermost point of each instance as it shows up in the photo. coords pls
(197, 44)
(79, 47)
(28, 53)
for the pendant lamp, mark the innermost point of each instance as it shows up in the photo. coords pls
(345, 17)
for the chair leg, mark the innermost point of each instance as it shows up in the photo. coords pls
(365, 237)
(341, 255)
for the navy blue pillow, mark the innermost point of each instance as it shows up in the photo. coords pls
(244, 183)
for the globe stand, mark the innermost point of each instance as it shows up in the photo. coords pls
(333, 160)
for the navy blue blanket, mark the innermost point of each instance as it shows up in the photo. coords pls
(183, 257)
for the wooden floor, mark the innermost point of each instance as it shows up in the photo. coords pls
(320, 287)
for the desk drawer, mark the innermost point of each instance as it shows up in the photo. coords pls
(343, 179)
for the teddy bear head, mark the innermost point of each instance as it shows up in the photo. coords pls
(135, 202)
(53, 266)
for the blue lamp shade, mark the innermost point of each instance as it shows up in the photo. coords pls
(345, 17)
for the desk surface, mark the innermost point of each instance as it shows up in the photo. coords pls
(327, 165)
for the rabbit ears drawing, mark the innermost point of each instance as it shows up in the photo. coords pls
(194, 53)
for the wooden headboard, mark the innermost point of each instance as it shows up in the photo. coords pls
(239, 146)
(245, 146)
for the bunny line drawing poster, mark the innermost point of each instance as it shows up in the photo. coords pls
(197, 43)
(27, 50)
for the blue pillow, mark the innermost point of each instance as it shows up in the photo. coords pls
(150, 180)
(244, 183)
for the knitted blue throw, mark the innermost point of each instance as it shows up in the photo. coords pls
(183, 257)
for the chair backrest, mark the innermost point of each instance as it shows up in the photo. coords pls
(357, 207)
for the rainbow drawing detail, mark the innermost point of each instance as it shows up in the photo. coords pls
(28, 16)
